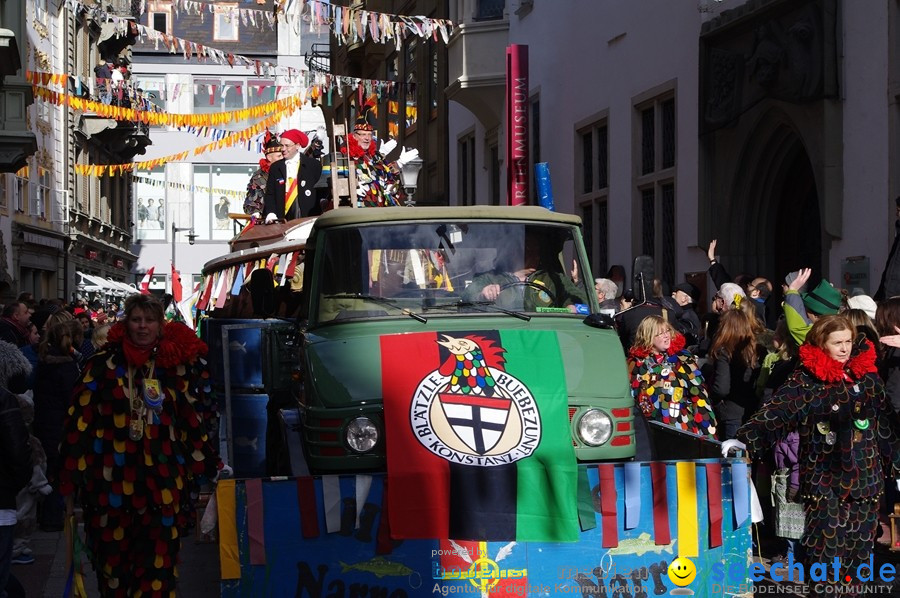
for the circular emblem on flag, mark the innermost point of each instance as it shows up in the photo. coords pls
(476, 425)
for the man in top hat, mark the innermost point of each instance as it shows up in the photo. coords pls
(290, 191)
(255, 200)
(377, 181)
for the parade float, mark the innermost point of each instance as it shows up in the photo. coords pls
(409, 437)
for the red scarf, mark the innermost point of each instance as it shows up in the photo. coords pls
(639, 353)
(178, 345)
(822, 366)
(356, 152)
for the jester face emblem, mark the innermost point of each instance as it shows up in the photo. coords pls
(471, 411)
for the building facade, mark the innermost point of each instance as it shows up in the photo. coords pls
(62, 223)
(17, 142)
(768, 125)
(414, 112)
(181, 207)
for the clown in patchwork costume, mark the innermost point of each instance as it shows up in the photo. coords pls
(135, 441)
(377, 181)
(666, 382)
(848, 446)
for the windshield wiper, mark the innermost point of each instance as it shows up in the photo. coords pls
(478, 304)
(380, 301)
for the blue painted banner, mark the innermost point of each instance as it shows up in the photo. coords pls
(629, 538)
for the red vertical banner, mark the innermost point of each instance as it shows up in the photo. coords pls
(516, 124)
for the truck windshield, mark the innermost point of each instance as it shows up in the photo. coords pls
(391, 270)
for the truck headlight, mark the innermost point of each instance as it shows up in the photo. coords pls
(594, 427)
(362, 435)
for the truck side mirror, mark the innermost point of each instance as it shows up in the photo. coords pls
(600, 320)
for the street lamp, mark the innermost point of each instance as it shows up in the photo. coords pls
(191, 238)
(409, 176)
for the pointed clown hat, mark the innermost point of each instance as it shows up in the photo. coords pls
(365, 118)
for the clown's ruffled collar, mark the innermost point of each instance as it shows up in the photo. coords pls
(356, 151)
(264, 165)
(826, 369)
(178, 345)
(675, 347)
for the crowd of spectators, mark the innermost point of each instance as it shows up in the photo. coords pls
(805, 381)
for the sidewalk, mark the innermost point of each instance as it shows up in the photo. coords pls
(46, 577)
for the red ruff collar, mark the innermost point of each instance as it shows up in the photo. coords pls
(826, 369)
(356, 152)
(264, 165)
(676, 346)
(177, 346)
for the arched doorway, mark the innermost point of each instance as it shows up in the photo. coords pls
(776, 211)
(797, 242)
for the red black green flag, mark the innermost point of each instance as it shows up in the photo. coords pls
(478, 440)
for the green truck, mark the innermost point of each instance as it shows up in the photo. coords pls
(369, 273)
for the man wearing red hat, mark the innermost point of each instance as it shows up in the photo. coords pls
(290, 190)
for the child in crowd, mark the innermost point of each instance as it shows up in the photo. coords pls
(27, 499)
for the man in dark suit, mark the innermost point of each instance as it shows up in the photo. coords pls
(290, 191)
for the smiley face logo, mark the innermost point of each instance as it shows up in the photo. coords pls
(682, 571)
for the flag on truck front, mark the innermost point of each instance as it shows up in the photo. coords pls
(478, 441)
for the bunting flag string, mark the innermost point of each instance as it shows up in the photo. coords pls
(185, 187)
(137, 85)
(233, 139)
(347, 25)
(352, 25)
(318, 84)
(166, 118)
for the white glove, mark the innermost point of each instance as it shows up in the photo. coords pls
(225, 473)
(271, 217)
(732, 444)
(322, 134)
(407, 155)
(256, 215)
(898, 484)
(387, 147)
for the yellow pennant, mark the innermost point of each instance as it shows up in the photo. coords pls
(688, 522)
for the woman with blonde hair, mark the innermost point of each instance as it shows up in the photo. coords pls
(94, 343)
(666, 383)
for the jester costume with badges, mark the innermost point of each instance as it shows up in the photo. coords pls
(132, 456)
(377, 181)
(669, 388)
(848, 445)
